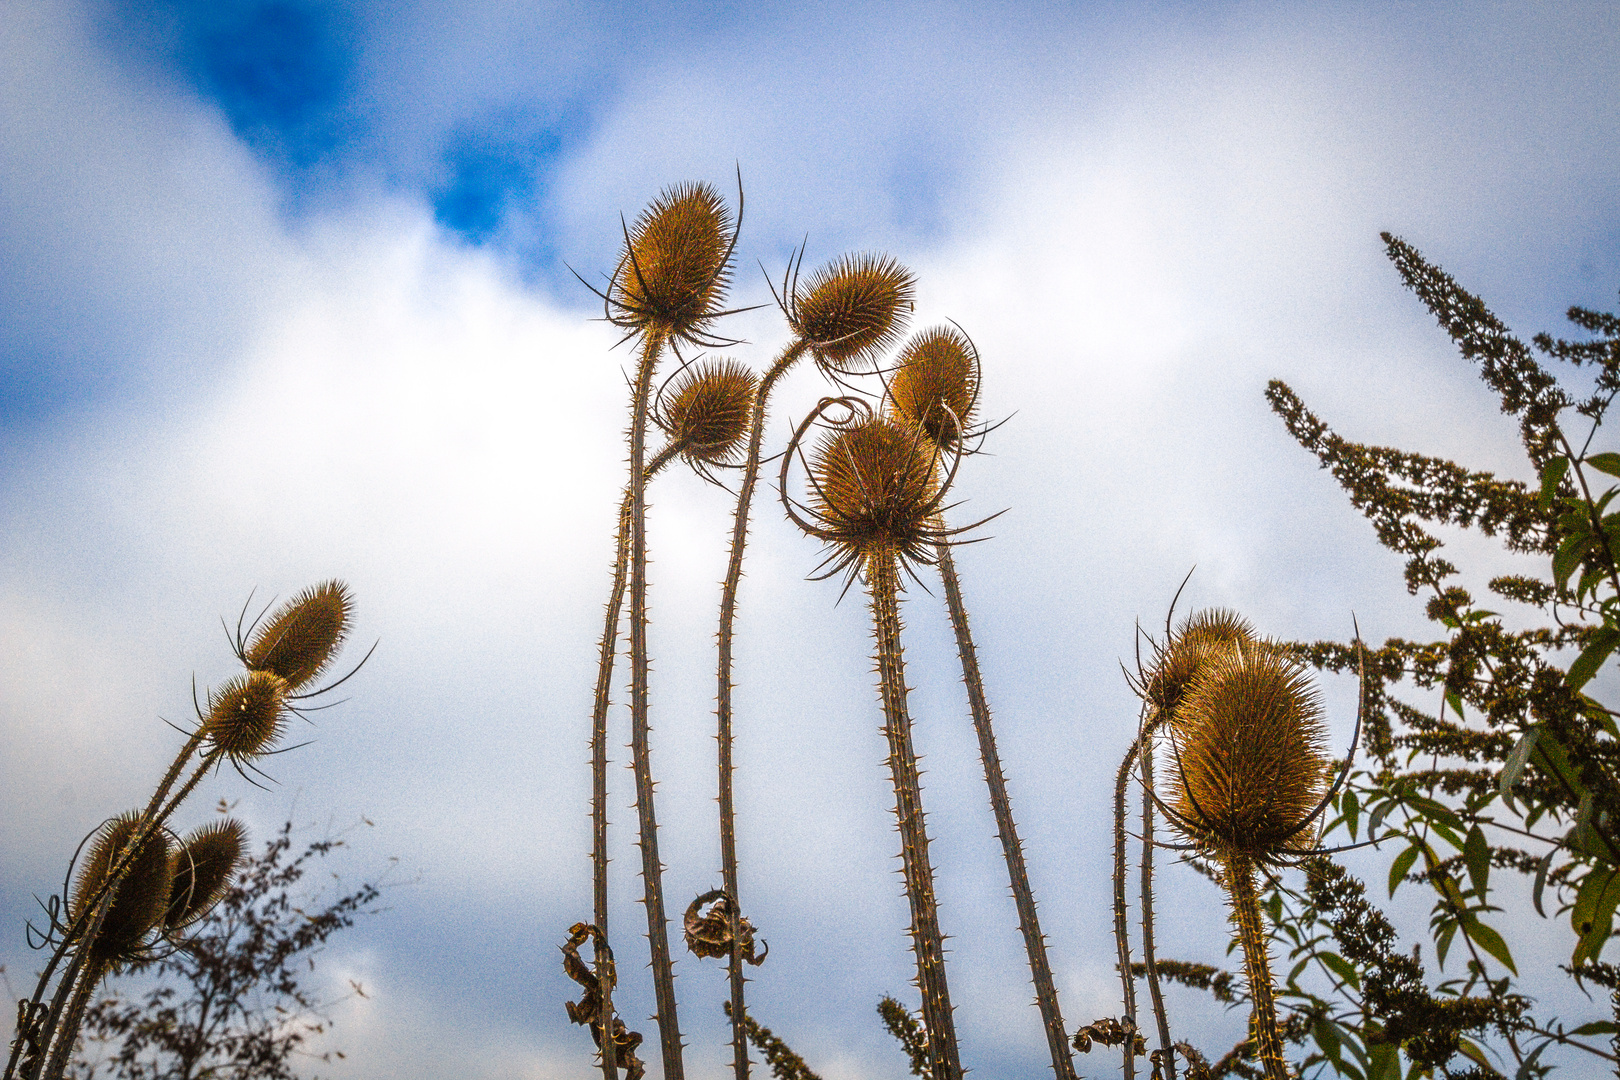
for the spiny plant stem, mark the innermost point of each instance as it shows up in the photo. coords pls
(1034, 941)
(883, 584)
(1122, 929)
(652, 870)
(599, 759)
(1167, 1049)
(728, 615)
(89, 978)
(1240, 884)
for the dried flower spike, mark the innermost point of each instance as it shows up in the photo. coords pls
(247, 714)
(707, 412)
(203, 868)
(300, 639)
(936, 385)
(876, 490)
(139, 900)
(851, 309)
(674, 269)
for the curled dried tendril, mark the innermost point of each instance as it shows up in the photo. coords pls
(708, 933)
(588, 1009)
(1110, 1032)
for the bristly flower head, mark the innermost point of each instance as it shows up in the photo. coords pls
(851, 309)
(1250, 742)
(935, 385)
(203, 868)
(139, 901)
(301, 638)
(1200, 636)
(247, 715)
(706, 409)
(674, 270)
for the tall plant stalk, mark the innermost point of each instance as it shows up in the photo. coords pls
(1150, 961)
(1122, 929)
(1240, 884)
(1001, 806)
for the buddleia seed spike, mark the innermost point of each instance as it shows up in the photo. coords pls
(203, 868)
(140, 899)
(247, 714)
(303, 635)
(852, 309)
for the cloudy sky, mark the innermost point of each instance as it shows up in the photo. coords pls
(284, 295)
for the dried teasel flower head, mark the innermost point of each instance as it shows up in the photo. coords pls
(1250, 743)
(935, 385)
(139, 900)
(875, 491)
(675, 266)
(851, 309)
(706, 409)
(303, 635)
(1200, 636)
(247, 714)
(203, 868)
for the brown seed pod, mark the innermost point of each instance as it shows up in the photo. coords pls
(1200, 635)
(247, 714)
(852, 309)
(1251, 744)
(674, 270)
(876, 489)
(140, 899)
(203, 867)
(936, 384)
(303, 635)
(708, 409)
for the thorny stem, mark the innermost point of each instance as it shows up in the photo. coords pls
(89, 978)
(1034, 941)
(1122, 933)
(1167, 1049)
(599, 760)
(723, 736)
(652, 870)
(883, 583)
(1240, 886)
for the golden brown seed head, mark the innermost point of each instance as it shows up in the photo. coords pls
(1252, 747)
(674, 272)
(1200, 635)
(709, 407)
(875, 488)
(140, 899)
(203, 868)
(852, 308)
(303, 635)
(937, 379)
(247, 714)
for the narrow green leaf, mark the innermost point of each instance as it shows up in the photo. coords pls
(1327, 1037)
(1386, 1062)
(1399, 868)
(1592, 657)
(1551, 476)
(1597, 1027)
(1350, 809)
(1514, 769)
(1442, 941)
(1592, 917)
(1607, 463)
(1569, 555)
(1342, 968)
(1491, 942)
(1477, 857)
(1541, 880)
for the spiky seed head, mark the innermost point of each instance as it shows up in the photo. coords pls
(247, 714)
(303, 635)
(875, 488)
(140, 899)
(709, 407)
(1200, 635)
(1252, 747)
(203, 868)
(852, 308)
(937, 377)
(674, 272)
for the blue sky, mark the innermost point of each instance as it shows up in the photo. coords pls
(284, 294)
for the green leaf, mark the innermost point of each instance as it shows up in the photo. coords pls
(1342, 968)
(1607, 463)
(1385, 1063)
(1514, 769)
(1442, 941)
(1597, 1027)
(1592, 917)
(1326, 1033)
(1350, 810)
(1569, 555)
(1541, 880)
(1477, 857)
(1475, 1053)
(1399, 868)
(1592, 657)
(1551, 476)
(1491, 942)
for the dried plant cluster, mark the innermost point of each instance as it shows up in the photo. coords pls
(139, 887)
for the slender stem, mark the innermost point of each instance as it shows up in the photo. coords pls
(1240, 884)
(1001, 806)
(1167, 1049)
(89, 978)
(1122, 932)
(599, 759)
(728, 615)
(652, 870)
(883, 583)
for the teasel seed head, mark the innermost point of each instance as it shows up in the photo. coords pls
(1200, 636)
(203, 868)
(935, 385)
(707, 410)
(675, 266)
(301, 638)
(247, 714)
(852, 309)
(139, 901)
(1251, 742)
(875, 490)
